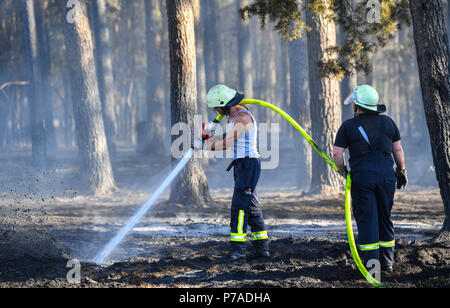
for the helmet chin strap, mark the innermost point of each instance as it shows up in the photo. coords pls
(226, 110)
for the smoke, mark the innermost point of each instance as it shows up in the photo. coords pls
(24, 229)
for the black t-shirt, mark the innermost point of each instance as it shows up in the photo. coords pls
(348, 136)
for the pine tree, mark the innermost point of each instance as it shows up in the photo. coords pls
(191, 186)
(96, 171)
(433, 58)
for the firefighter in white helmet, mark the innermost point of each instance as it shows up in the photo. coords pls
(374, 145)
(242, 135)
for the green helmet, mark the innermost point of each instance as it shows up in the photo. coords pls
(366, 97)
(222, 96)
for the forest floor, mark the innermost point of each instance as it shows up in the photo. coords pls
(45, 222)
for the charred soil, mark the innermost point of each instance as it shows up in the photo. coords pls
(45, 222)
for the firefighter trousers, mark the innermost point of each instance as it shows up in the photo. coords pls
(245, 210)
(372, 200)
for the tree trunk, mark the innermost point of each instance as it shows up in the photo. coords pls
(191, 187)
(216, 24)
(105, 75)
(39, 152)
(300, 109)
(351, 81)
(96, 172)
(213, 45)
(152, 132)
(208, 44)
(42, 23)
(431, 40)
(325, 104)
(201, 68)
(245, 55)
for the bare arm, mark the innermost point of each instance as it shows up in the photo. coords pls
(399, 155)
(242, 123)
(338, 157)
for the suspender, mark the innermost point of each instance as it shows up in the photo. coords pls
(363, 134)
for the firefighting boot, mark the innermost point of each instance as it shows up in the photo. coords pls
(261, 249)
(238, 252)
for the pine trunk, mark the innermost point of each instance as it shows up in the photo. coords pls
(431, 40)
(191, 187)
(300, 109)
(104, 56)
(152, 132)
(325, 104)
(39, 153)
(245, 55)
(96, 172)
(42, 24)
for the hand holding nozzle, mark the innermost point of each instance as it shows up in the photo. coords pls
(210, 128)
(207, 132)
(200, 144)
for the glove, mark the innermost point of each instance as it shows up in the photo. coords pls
(344, 172)
(402, 178)
(199, 144)
(210, 128)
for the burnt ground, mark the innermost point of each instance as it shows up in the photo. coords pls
(46, 221)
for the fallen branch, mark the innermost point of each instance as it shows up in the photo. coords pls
(13, 83)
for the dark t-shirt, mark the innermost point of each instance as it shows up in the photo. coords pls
(348, 136)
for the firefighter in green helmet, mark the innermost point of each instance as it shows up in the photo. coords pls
(242, 136)
(374, 145)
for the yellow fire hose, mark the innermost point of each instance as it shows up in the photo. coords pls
(348, 214)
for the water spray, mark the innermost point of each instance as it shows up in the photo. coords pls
(109, 248)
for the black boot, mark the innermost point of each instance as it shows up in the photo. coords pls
(261, 249)
(238, 252)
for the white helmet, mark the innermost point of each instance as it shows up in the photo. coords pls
(223, 96)
(366, 97)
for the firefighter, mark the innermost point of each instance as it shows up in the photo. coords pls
(374, 145)
(242, 135)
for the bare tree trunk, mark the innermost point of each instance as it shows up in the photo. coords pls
(191, 187)
(68, 111)
(283, 82)
(43, 27)
(201, 68)
(431, 40)
(39, 152)
(245, 54)
(208, 44)
(151, 133)
(96, 172)
(351, 81)
(300, 109)
(215, 23)
(130, 8)
(325, 104)
(104, 57)
(215, 72)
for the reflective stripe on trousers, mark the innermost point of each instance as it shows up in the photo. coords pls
(373, 246)
(240, 236)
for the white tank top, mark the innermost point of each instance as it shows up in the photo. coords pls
(246, 143)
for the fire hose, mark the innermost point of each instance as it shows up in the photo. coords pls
(348, 215)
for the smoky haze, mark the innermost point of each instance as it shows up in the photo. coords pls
(139, 137)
